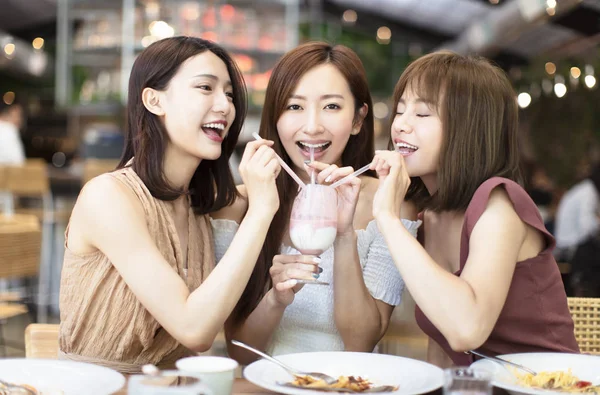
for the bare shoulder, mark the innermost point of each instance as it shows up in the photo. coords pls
(237, 210)
(500, 214)
(103, 201)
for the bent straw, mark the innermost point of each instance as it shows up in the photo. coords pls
(284, 165)
(355, 174)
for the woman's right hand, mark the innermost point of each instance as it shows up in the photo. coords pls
(285, 272)
(259, 169)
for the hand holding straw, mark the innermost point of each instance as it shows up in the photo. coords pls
(284, 165)
(355, 174)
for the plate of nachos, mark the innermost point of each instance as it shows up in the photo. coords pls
(355, 373)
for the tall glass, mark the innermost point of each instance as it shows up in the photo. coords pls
(313, 222)
(467, 381)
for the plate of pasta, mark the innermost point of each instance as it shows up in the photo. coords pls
(356, 373)
(559, 373)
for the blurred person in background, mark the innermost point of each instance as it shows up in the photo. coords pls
(541, 189)
(318, 96)
(576, 218)
(11, 121)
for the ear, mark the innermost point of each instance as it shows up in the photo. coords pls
(362, 113)
(151, 100)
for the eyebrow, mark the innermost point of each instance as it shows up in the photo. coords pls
(324, 97)
(427, 102)
(212, 77)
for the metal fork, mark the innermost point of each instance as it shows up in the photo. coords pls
(294, 372)
(504, 361)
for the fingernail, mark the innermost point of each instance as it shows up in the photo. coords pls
(306, 162)
(316, 259)
(316, 275)
(328, 179)
(293, 283)
(320, 270)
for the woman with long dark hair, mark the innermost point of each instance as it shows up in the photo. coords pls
(139, 281)
(318, 98)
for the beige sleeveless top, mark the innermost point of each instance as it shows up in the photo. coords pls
(101, 320)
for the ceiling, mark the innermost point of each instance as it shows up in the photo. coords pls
(435, 23)
(462, 25)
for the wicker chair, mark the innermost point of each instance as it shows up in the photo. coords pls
(586, 316)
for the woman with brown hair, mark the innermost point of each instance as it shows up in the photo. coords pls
(318, 98)
(139, 282)
(483, 275)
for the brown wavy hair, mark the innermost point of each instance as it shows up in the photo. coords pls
(212, 186)
(479, 113)
(358, 152)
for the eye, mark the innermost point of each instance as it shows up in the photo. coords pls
(204, 87)
(332, 106)
(294, 107)
(399, 113)
(422, 115)
(229, 95)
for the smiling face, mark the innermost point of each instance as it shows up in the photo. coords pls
(320, 114)
(197, 107)
(417, 134)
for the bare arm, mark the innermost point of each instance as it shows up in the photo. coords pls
(361, 319)
(109, 217)
(471, 303)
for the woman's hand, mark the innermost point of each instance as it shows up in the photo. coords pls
(259, 169)
(347, 193)
(393, 183)
(285, 272)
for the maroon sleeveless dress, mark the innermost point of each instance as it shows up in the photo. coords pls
(535, 316)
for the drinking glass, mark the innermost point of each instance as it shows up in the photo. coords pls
(313, 222)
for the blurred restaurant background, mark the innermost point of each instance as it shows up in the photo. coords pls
(66, 63)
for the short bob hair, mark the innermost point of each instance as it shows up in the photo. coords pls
(212, 187)
(478, 110)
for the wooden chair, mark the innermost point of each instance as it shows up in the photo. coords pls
(20, 248)
(586, 316)
(41, 341)
(94, 167)
(31, 180)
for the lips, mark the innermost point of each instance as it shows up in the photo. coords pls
(215, 130)
(405, 148)
(319, 147)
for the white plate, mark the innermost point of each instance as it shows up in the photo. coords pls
(53, 376)
(410, 375)
(585, 367)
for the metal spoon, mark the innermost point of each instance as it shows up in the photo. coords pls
(294, 372)
(500, 360)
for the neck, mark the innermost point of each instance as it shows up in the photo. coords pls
(430, 182)
(179, 168)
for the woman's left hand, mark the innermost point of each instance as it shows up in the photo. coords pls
(347, 192)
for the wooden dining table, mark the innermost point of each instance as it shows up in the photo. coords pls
(240, 386)
(243, 386)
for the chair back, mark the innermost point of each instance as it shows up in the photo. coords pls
(586, 317)
(41, 341)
